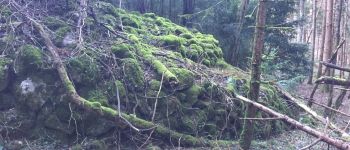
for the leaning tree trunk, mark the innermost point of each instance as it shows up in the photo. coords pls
(313, 40)
(248, 128)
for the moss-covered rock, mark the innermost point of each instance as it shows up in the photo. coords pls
(133, 74)
(185, 77)
(31, 59)
(122, 50)
(192, 95)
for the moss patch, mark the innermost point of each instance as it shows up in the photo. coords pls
(133, 74)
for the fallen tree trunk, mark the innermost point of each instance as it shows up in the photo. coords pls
(333, 57)
(323, 136)
(330, 65)
(310, 111)
(333, 81)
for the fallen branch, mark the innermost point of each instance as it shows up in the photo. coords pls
(330, 65)
(324, 137)
(310, 111)
(332, 109)
(260, 119)
(332, 81)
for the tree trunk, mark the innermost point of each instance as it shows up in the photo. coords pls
(319, 71)
(236, 43)
(188, 9)
(302, 19)
(314, 11)
(171, 9)
(142, 6)
(248, 127)
(328, 49)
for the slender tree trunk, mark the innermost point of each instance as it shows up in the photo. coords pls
(162, 7)
(314, 11)
(328, 49)
(188, 9)
(302, 18)
(171, 9)
(323, 34)
(236, 43)
(248, 128)
(142, 6)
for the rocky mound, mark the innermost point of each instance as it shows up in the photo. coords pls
(160, 71)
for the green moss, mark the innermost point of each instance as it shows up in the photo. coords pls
(84, 70)
(60, 33)
(98, 96)
(186, 35)
(121, 88)
(133, 38)
(131, 21)
(192, 95)
(185, 77)
(171, 41)
(150, 15)
(154, 84)
(133, 74)
(31, 59)
(122, 50)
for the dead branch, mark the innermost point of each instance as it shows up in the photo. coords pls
(323, 136)
(261, 119)
(332, 109)
(330, 65)
(332, 81)
(81, 22)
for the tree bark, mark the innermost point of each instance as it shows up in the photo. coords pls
(319, 71)
(314, 11)
(248, 127)
(302, 21)
(237, 40)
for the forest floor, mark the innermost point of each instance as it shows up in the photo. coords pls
(297, 139)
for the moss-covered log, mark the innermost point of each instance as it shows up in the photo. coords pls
(333, 81)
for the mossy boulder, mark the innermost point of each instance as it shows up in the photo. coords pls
(5, 64)
(84, 70)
